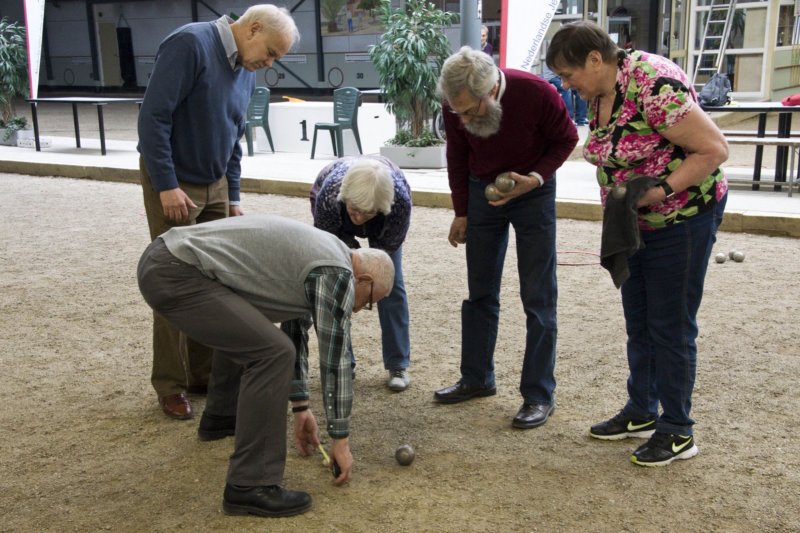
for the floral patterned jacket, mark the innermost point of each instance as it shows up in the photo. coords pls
(653, 94)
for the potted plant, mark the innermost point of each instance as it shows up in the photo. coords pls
(13, 78)
(408, 60)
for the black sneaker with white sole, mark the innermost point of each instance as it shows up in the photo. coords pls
(663, 448)
(621, 426)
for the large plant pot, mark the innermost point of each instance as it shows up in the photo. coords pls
(407, 157)
(12, 140)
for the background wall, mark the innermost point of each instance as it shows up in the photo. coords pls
(345, 61)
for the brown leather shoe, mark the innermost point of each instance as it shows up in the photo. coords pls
(176, 406)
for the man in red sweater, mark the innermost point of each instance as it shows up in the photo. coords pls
(505, 120)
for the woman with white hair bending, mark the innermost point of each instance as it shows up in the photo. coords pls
(368, 197)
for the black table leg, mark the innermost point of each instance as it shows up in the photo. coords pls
(102, 129)
(77, 127)
(35, 118)
(762, 126)
(782, 152)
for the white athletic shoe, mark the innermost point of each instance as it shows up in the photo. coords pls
(398, 380)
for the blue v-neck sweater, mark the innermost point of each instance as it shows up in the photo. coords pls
(194, 111)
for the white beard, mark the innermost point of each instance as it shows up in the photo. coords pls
(488, 124)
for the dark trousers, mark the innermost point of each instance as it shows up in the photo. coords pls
(245, 343)
(533, 217)
(179, 361)
(660, 301)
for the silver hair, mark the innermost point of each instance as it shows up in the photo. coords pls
(467, 69)
(368, 186)
(274, 19)
(377, 264)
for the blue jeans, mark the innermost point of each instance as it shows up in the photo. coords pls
(393, 317)
(660, 301)
(533, 216)
(580, 109)
(566, 95)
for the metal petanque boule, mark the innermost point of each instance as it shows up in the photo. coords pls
(738, 256)
(504, 182)
(404, 455)
(491, 192)
(720, 257)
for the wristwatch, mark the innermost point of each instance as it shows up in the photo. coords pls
(669, 193)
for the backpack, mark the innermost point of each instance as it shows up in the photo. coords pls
(716, 91)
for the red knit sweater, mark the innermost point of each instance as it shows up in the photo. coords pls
(536, 134)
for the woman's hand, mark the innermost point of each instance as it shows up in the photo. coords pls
(653, 195)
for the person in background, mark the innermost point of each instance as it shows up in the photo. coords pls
(368, 197)
(645, 123)
(576, 106)
(190, 123)
(581, 109)
(486, 46)
(226, 283)
(504, 120)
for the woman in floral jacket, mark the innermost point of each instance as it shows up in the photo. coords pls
(644, 121)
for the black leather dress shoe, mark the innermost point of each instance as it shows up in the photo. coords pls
(461, 392)
(272, 500)
(215, 427)
(532, 415)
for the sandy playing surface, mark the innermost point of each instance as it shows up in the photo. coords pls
(85, 446)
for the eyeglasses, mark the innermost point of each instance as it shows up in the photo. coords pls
(368, 305)
(471, 112)
(357, 211)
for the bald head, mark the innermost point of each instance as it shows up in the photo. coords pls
(378, 265)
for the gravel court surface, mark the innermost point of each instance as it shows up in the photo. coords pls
(85, 446)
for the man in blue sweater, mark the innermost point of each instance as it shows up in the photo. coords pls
(190, 123)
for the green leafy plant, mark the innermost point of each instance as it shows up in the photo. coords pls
(408, 60)
(13, 67)
(404, 137)
(12, 126)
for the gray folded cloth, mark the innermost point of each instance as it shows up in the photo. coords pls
(621, 238)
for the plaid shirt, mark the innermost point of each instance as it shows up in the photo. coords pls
(331, 292)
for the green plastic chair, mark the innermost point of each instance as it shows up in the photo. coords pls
(258, 116)
(345, 117)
